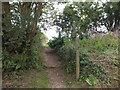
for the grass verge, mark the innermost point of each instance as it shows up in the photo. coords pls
(40, 80)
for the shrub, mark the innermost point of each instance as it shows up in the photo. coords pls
(13, 62)
(99, 44)
(87, 67)
(56, 43)
(36, 54)
(25, 60)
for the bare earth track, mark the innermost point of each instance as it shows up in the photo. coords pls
(54, 69)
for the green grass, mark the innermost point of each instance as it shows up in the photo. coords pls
(40, 81)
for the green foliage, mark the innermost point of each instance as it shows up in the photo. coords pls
(56, 43)
(112, 11)
(98, 44)
(68, 54)
(21, 61)
(36, 49)
(90, 71)
(21, 41)
(87, 67)
(91, 80)
(13, 62)
(14, 34)
(79, 17)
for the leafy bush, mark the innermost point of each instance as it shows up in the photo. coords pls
(87, 67)
(98, 44)
(12, 62)
(36, 49)
(25, 60)
(56, 43)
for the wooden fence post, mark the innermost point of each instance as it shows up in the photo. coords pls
(77, 59)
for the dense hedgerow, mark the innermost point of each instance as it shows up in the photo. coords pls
(22, 61)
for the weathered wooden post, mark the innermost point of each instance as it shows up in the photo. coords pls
(77, 58)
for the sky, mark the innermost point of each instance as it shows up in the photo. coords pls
(51, 33)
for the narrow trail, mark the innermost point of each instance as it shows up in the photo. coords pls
(54, 69)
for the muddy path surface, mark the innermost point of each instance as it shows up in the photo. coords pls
(54, 69)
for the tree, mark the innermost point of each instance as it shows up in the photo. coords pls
(20, 26)
(76, 19)
(21, 23)
(112, 15)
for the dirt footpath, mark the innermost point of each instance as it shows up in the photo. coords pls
(54, 69)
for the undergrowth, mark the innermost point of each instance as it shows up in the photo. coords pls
(15, 62)
(90, 71)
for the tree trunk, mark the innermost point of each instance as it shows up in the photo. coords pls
(5, 21)
(5, 11)
(37, 12)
